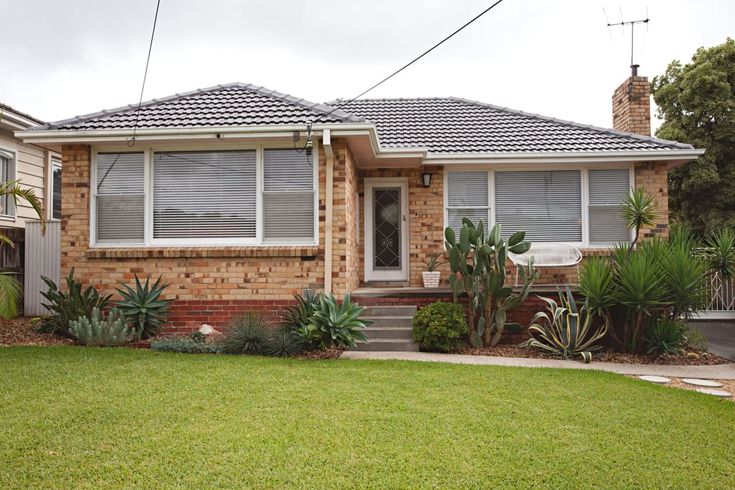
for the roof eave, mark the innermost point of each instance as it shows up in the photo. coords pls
(669, 155)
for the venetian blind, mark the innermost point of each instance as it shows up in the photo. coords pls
(607, 190)
(204, 194)
(120, 189)
(288, 195)
(546, 204)
(467, 197)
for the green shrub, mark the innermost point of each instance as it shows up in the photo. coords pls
(143, 307)
(566, 330)
(99, 331)
(334, 325)
(187, 345)
(440, 326)
(72, 304)
(299, 315)
(248, 334)
(666, 336)
(284, 343)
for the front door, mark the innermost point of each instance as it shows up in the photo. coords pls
(386, 230)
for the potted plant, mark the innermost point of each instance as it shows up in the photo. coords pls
(431, 275)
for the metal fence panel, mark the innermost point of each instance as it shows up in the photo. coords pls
(43, 258)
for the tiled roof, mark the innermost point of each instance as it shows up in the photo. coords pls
(455, 125)
(234, 104)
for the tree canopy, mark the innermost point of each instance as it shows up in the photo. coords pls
(697, 104)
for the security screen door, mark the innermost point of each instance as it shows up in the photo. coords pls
(386, 230)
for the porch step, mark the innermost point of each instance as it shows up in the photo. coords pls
(386, 333)
(390, 329)
(388, 345)
(393, 311)
(385, 284)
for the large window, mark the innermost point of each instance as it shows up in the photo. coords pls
(7, 173)
(581, 206)
(223, 197)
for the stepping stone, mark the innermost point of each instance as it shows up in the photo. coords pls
(710, 391)
(656, 379)
(702, 382)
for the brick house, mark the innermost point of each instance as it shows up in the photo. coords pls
(240, 196)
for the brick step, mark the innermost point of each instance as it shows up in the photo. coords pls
(388, 321)
(388, 345)
(373, 311)
(388, 333)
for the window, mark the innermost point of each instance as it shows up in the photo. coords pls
(288, 195)
(608, 189)
(222, 197)
(546, 204)
(467, 196)
(56, 189)
(120, 197)
(581, 206)
(7, 174)
(204, 194)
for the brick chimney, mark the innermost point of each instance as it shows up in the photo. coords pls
(631, 105)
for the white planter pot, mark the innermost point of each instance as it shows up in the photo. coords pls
(431, 279)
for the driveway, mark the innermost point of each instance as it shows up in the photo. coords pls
(720, 334)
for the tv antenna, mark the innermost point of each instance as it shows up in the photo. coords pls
(632, 24)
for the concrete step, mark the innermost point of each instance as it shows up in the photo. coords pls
(387, 345)
(388, 321)
(388, 333)
(372, 311)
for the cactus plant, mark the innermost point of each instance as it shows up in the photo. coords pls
(100, 331)
(477, 263)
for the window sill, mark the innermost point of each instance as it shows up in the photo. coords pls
(201, 252)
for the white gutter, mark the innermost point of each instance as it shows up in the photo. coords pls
(562, 157)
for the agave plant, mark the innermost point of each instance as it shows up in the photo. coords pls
(68, 305)
(565, 329)
(298, 315)
(143, 307)
(336, 324)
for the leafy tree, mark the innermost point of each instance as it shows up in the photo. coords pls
(697, 103)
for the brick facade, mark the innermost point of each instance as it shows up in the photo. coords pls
(631, 105)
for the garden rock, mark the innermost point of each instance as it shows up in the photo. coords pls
(208, 330)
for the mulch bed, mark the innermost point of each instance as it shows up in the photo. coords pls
(692, 357)
(22, 331)
(317, 355)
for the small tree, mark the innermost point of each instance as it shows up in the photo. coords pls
(11, 291)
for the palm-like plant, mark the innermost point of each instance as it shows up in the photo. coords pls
(143, 306)
(11, 291)
(639, 211)
(566, 329)
(720, 252)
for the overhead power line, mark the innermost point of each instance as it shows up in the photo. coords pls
(399, 70)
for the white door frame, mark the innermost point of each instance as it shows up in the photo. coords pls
(395, 275)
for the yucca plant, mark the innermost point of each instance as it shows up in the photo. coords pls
(68, 305)
(99, 331)
(565, 330)
(666, 336)
(336, 324)
(639, 210)
(143, 307)
(719, 252)
(684, 273)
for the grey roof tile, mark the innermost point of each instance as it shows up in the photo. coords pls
(456, 125)
(235, 104)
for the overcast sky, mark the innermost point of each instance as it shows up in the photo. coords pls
(67, 57)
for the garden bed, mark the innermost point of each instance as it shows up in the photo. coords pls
(22, 331)
(693, 357)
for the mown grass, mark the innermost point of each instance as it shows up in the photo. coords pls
(74, 417)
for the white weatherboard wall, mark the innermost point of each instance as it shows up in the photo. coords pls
(43, 258)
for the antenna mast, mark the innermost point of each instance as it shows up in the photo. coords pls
(632, 24)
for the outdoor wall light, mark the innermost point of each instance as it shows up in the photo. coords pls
(426, 177)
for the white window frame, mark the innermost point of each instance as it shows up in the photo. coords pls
(150, 242)
(584, 185)
(12, 175)
(55, 162)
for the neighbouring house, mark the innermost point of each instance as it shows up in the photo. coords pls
(240, 196)
(37, 166)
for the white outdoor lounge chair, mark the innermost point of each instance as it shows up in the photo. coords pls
(548, 255)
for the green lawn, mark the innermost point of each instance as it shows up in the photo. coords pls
(75, 417)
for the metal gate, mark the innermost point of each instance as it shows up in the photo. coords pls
(720, 299)
(42, 258)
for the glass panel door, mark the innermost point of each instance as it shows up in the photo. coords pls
(387, 219)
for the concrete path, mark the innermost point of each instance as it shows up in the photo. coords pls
(722, 371)
(720, 336)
